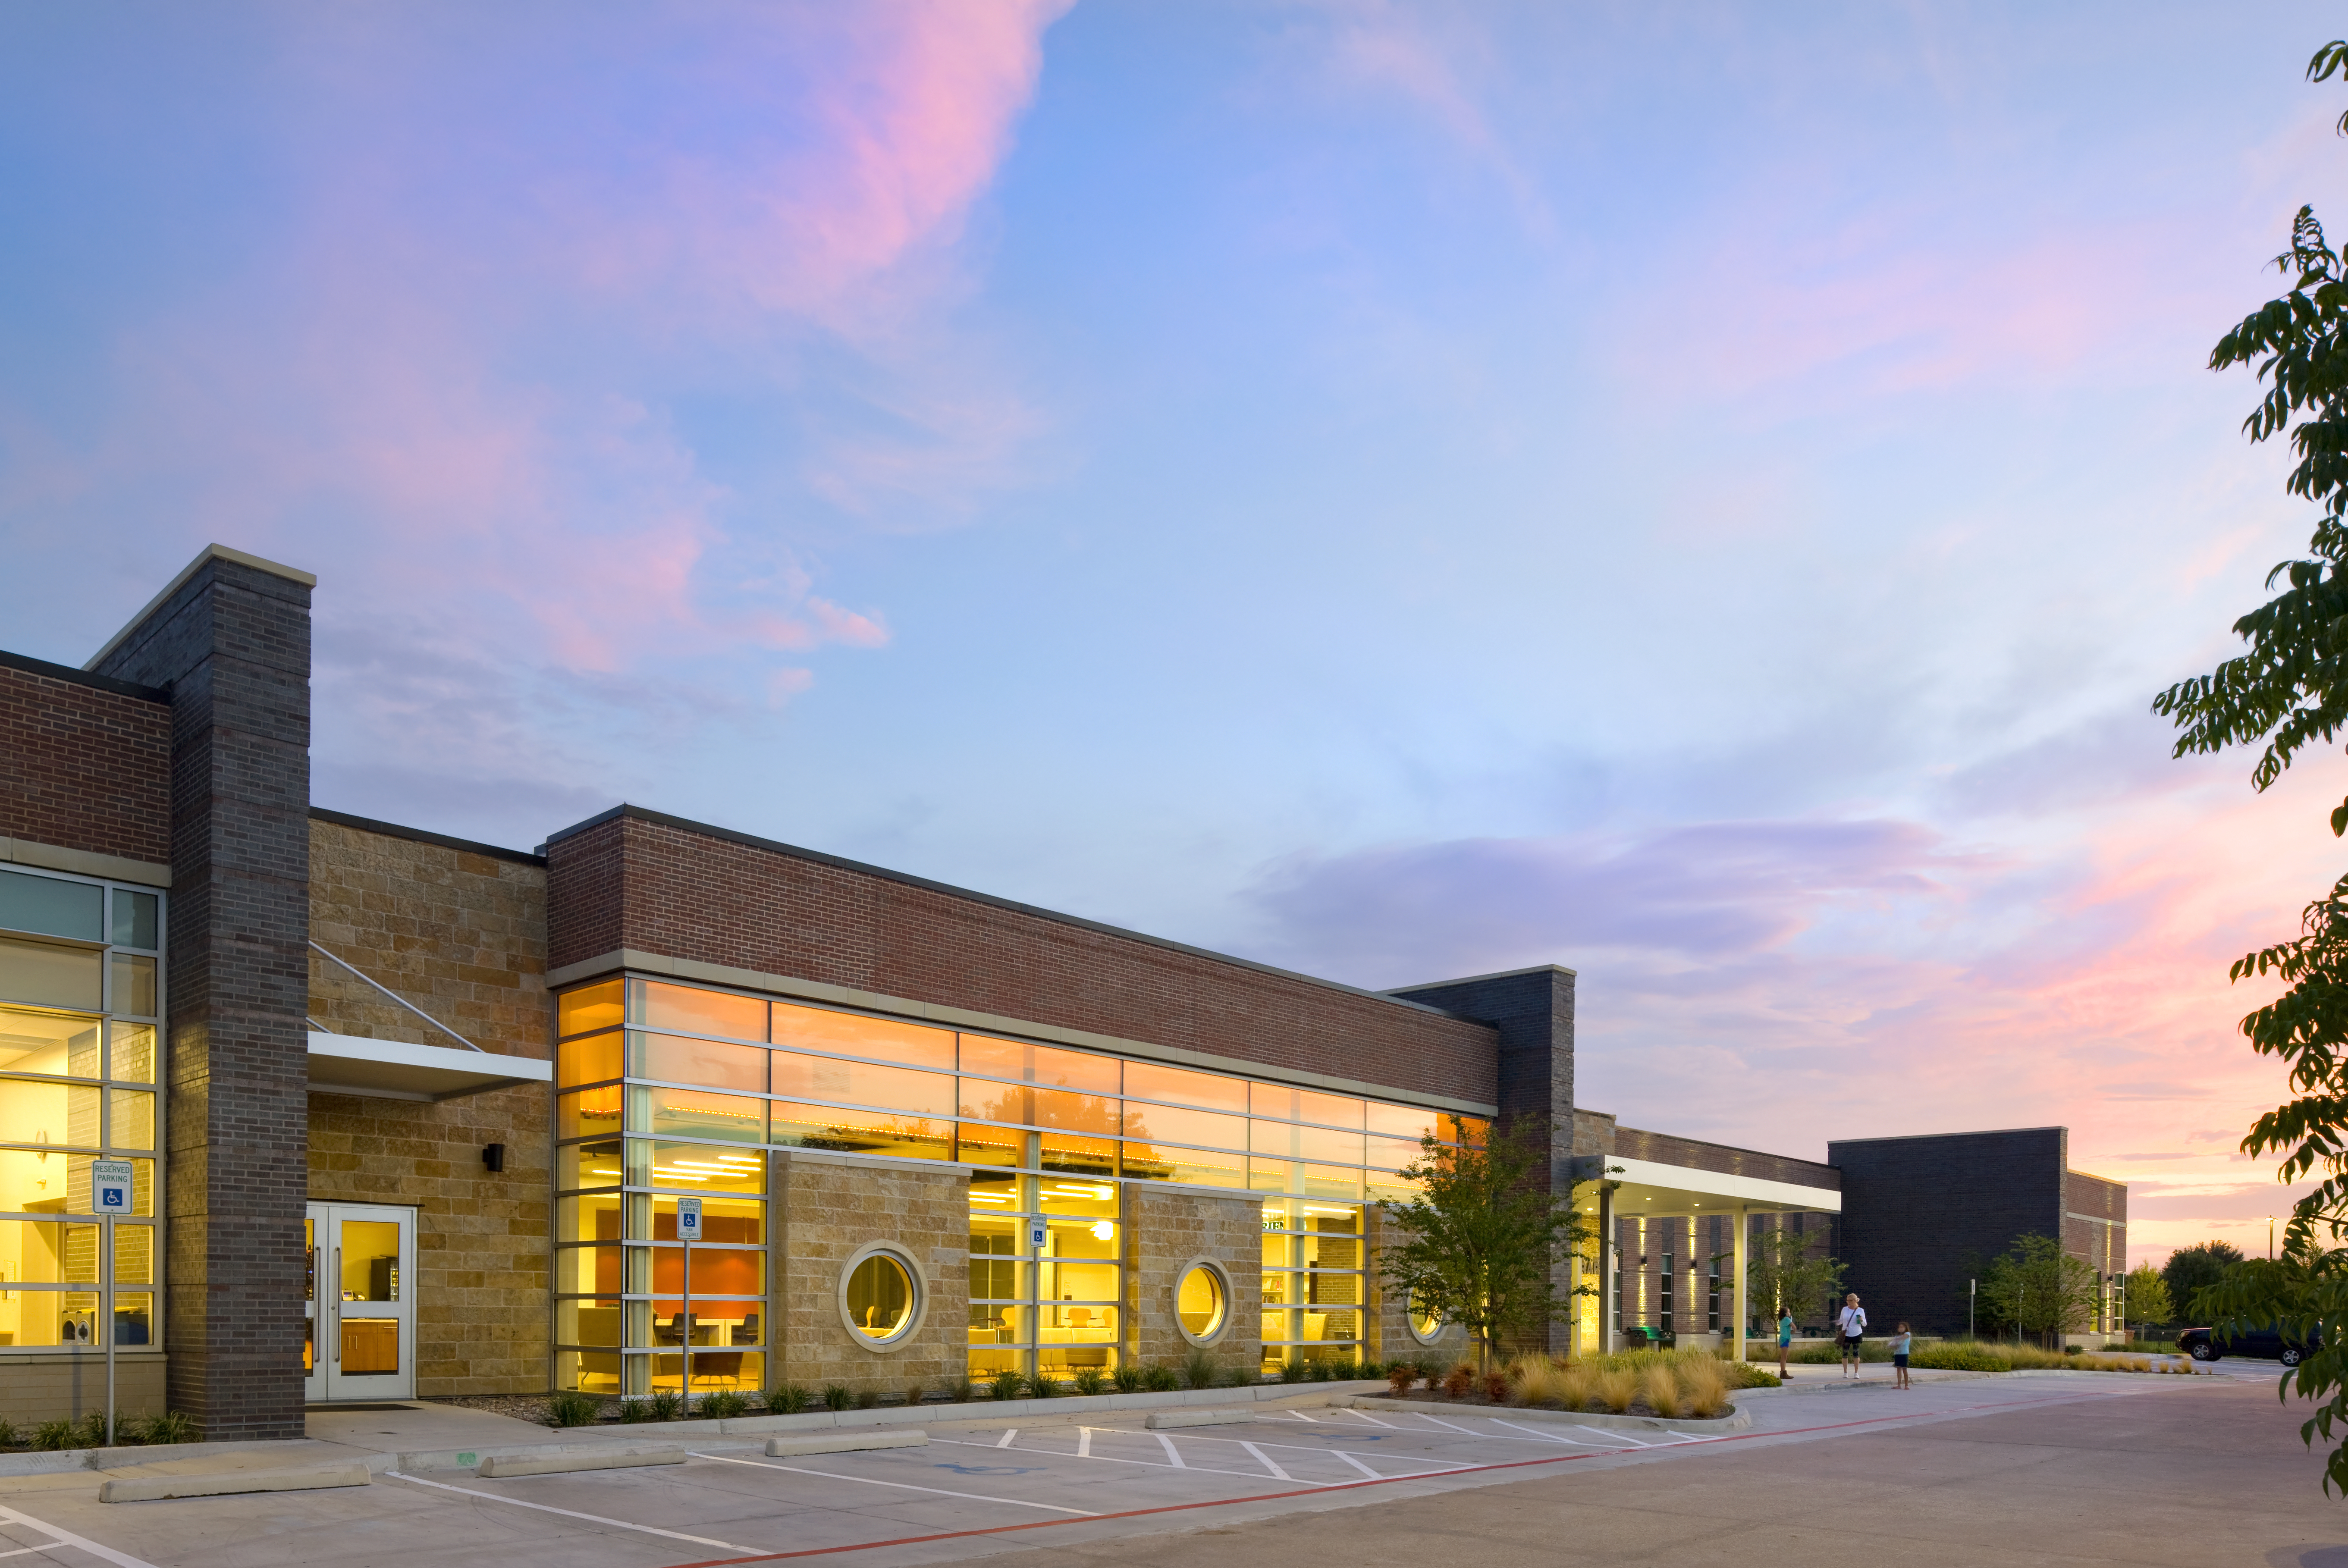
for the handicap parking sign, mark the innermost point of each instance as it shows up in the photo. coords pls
(109, 1186)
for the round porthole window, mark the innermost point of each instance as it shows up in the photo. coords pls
(881, 1295)
(1425, 1327)
(1203, 1301)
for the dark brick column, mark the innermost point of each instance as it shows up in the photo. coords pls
(231, 641)
(1532, 1010)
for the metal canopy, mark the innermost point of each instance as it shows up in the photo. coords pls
(394, 1070)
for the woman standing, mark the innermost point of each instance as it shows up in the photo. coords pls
(1784, 1338)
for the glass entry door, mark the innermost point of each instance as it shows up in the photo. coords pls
(359, 1329)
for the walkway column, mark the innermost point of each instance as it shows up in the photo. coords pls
(1607, 1264)
(1736, 1254)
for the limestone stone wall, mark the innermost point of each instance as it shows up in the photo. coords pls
(66, 1387)
(826, 1207)
(459, 931)
(1390, 1336)
(1164, 1230)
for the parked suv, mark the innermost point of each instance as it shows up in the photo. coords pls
(2207, 1345)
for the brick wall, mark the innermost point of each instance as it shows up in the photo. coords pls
(458, 930)
(86, 763)
(635, 880)
(1164, 1232)
(232, 640)
(1666, 1149)
(2087, 1203)
(1921, 1215)
(827, 1208)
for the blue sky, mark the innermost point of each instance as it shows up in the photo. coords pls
(1697, 494)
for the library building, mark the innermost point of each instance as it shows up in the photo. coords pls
(659, 1105)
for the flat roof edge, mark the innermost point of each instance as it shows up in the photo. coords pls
(907, 879)
(67, 673)
(209, 552)
(423, 836)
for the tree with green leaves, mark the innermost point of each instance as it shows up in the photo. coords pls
(2191, 1270)
(2036, 1288)
(1481, 1242)
(1779, 1272)
(2146, 1297)
(2289, 690)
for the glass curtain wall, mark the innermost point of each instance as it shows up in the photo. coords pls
(81, 996)
(664, 1090)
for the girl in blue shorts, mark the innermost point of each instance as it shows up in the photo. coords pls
(1900, 1344)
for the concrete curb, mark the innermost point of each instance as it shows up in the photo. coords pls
(230, 1483)
(564, 1440)
(1164, 1421)
(57, 1460)
(1736, 1420)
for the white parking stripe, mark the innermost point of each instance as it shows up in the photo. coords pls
(1617, 1436)
(1145, 1464)
(1365, 1415)
(566, 1512)
(67, 1537)
(1173, 1454)
(1265, 1459)
(1004, 1440)
(900, 1485)
(1357, 1464)
(1084, 1442)
(28, 1550)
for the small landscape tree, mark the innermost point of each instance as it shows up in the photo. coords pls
(1779, 1272)
(1480, 1241)
(2148, 1301)
(2039, 1288)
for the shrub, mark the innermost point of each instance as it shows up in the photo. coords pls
(962, 1390)
(1616, 1389)
(1043, 1388)
(636, 1410)
(1126, 1379)
(1400, 1378)
(916, 1391)
(1199, 1368)
(1459, 1380)
(723, 1405)
(868, 1399)
(1161, 1380)
(1091, 1381)
(668, 1405)
(1496, 1387)
(7, 1433)
(1706, 1387)
(839, 1397)
(57, 1434)
(1009, 1384)
(1295, 1370)
(572, 1409)
(789, 1399)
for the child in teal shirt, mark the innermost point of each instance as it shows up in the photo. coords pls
(1900, 1344)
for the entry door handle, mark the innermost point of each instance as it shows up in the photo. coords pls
(337, 1295)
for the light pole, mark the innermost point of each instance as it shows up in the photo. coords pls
(1972, 1289)
(2269, 1238)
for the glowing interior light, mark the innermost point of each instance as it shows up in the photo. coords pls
(1103, 1230)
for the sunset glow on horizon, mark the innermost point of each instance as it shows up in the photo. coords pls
(1699, 496)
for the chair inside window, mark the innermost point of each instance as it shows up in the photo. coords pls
(747, 1331)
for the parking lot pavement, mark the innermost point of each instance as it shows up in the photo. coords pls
(978, 1488)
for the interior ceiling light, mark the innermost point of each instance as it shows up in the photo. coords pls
(1103, 1230)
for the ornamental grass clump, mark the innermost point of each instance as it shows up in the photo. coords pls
(1536, 1380)
(1576, 1386)
(839, 1397)
(1199, 1369)
(1660, 1386)
(1703, 1387)
(723, 1405)
(1616, 1389)
(789, 1399)
(572, 1409)
(1091, 1381)
(1009, 1384)
(1126, 1379)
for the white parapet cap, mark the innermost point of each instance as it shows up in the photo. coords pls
(209, 552)
(396, 1069)
(1655, 1188)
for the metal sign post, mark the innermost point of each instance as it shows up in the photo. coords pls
(109, 1194)
(688, 1231)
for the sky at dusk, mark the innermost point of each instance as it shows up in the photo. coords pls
(1704, 495)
